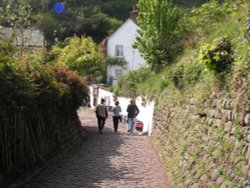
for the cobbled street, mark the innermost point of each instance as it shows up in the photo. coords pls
(107, 160)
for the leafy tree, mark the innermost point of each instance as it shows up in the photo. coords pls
(158, 34)
(211, 12)
(189, 3)
(98, 26)
(118, 9)
(81, 54)
(18, 17)
(113, 8)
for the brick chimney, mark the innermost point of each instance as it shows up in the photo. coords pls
(133, 13)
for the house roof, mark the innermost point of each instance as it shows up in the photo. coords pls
(123, 25)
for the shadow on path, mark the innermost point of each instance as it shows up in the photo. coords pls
(89, 166)
(104, 160)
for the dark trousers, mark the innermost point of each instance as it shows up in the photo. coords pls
(101, 122)
(116, 122)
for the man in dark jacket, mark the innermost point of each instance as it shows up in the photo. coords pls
(133, 111)
(101, 115)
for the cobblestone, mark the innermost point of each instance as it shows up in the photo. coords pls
(108, 160)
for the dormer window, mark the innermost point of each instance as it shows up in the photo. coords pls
(119, 51)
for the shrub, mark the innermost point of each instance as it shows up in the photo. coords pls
(175, 75)
(128, 84)
(217, 57)
(82, 55)
(210, 13)
(35, 99)
(16, 90)
(248, 28)
(78, 90)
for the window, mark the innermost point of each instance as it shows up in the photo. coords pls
(119, 51)
(118, 73)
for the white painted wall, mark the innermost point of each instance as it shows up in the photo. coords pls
(108, 96)
(125, 36)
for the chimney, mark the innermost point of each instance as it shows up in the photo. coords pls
(133, 13)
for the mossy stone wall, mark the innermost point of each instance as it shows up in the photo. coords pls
(205, 145)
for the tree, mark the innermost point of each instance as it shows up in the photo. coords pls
(159, 31)
(189, 3)
(18, 18)
(81, 54)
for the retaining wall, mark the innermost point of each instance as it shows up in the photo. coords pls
(206, 145)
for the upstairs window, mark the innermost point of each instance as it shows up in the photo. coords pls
(119, 51)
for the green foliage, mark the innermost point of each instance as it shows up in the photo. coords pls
(115, 61)
(97, 25)
(30, 85)
(81, 55)
(35, 98)
(153, 85)
(116, 8)
(176, 76)
(91, 18)
(16, 15)
(47, 92)
(127, 84)
(183, 76)
(189, 3)
(194, 76)
(158, 39)
(217, 57)
(76, 85)
(16, 90)
(248, 28)
(17, 18)
(7, 48)
(212, 12)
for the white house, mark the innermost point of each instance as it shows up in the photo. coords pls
(120, 45)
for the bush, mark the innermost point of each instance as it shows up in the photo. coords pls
(16, 90)
(217, 57)
(78, 89)
(35, 99)
(248, 28)
(128, 84)
(82, 55)
(210, 13)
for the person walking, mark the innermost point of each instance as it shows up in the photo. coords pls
(116, 115)
(101, 115)
(132, 111)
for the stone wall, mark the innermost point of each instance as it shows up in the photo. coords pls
(205, 146)
(68, 134)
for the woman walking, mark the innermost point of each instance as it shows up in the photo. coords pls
(116, 115)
